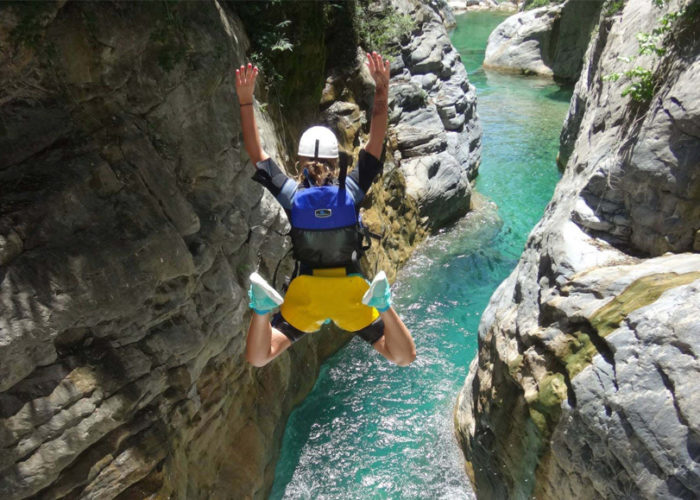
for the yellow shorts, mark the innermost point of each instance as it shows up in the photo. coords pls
(329, 294)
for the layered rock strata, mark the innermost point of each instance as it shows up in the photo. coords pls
(588, 353)
(128, 227)
(436, 134)
(547, 41)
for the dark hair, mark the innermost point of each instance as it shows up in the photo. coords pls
(322, 171)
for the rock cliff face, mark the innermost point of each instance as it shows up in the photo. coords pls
(436, 133)
(588, 353)
(548, 41)
(128, 227)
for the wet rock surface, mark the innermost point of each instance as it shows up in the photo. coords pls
(587, 352)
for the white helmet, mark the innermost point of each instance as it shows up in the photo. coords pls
(318, 142)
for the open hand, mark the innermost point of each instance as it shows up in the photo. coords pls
(379, 69)
(245, 83)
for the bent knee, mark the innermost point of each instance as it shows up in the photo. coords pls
(406, 360)
(256, 361)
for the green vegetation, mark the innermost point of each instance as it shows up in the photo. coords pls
(515, 365)
(579, 353)
(29, 29)
(579, 350)
(382, 29)
(296, 45)
(270, 44)
(642, 86)
(291, 38)
(545, 410)
(534, 4)
(643, 83)
(613, 7)
(169, 37)
(640, 293)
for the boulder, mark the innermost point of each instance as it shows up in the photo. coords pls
(547, 41)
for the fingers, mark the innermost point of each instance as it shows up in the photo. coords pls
(246, 75)
(370, 63)
(377, 64)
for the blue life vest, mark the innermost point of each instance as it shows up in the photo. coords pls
(326, 229)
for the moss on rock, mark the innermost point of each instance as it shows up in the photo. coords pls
(640, 293)
(546, 406)
(580, 353)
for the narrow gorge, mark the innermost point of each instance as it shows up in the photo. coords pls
(554, 362)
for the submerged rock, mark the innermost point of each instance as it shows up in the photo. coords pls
(588, 351)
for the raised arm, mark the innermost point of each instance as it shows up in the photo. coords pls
(379, 69)
(245, 87)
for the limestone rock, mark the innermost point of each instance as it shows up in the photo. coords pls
(436, 128)
(434, 138)
(588, 351)
(128, 227)
(549, 41)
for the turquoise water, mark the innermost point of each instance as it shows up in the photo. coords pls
(372, 430)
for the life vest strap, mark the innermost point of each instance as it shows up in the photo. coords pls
(343, 159)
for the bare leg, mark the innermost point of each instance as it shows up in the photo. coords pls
(397, 343)
(264, 343)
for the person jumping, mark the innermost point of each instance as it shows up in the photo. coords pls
(327, 237)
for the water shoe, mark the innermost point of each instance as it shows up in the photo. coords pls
(263, 298)
(379, 293)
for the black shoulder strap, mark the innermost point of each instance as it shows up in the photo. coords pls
(343, 158)
(277, 268)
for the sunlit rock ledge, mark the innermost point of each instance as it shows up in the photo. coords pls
(584, 384)
(461, 6)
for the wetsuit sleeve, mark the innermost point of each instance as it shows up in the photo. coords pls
(282, 187)
(362, 176)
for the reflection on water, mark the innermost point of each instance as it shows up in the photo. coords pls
(372, 430)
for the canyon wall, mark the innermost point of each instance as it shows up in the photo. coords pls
(584, 384)
(128, 227)
(548, 41)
